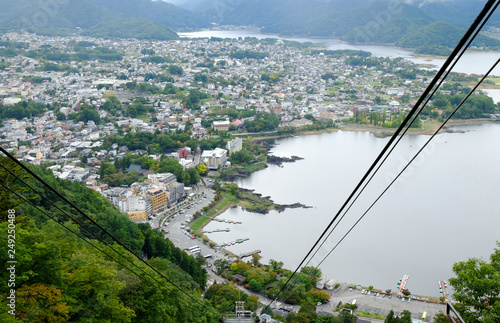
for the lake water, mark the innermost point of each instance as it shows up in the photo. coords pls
(494, 94)
(471, 62)
(442, 210)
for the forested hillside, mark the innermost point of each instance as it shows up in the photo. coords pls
(107, 18)
(360, 21)
(73, 281)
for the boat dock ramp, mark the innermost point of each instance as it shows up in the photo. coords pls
(442, 289)
(230, 243)
(226, 221)
(217, 230)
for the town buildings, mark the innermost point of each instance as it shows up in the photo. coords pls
(291, 83)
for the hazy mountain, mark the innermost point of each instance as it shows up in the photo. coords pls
(119, 18)
(444, 34)
(381, 21)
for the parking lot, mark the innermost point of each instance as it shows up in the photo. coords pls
(381, 305)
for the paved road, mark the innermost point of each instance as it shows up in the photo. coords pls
(203, 195)
(380, 305)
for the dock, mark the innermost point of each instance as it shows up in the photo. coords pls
(231, 243)
(217, 230)
(402, 284)
(226, 221)
(442, 289)
(248, 254)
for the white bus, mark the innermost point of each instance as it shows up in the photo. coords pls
(208, 256)
(195, 251)
(193, 247)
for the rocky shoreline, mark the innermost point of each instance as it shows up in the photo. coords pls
(264, 203)
(276, 160)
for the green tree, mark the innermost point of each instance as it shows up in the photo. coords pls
(345, 317)
(223, 297)
(233, 189)
(307, 312)
(277, 265)
(174, 69)
(255, 285)
(255, 259)
(221, 265)
(242, 156)
(267, 310)
(477, 288)
(88, 113)
(390, 317)
(441, 318)
(202, 169)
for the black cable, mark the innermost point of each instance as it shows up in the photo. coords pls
(67, 228)
(75, 220)
(414, 157)
(88, 242)
(399, 139)
(100, 227)
(402, 171)
(441, 71)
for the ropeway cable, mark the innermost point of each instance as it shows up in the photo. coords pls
(402, 171)
(58, 221)
(413, 158)
(485, 12)
(81, 237)
(75, 220)
(104, 230)
(394, 146)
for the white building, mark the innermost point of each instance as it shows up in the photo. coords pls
(214, 158)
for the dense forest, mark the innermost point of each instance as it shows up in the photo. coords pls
(73, 281)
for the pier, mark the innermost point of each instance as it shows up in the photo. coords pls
(231, 243)
(402, 284)
(442, 289)
(226, 221)
(217, 230)
(248, 254)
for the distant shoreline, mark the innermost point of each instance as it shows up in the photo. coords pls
(429, 128)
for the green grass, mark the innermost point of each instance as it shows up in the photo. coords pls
(200, 223)
(494, 79)
(144, 118)
(371, 315)
(205, 219)
(254, 167)
(229, 199)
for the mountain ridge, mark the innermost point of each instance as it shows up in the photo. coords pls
(358, 21)
(124, 18)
